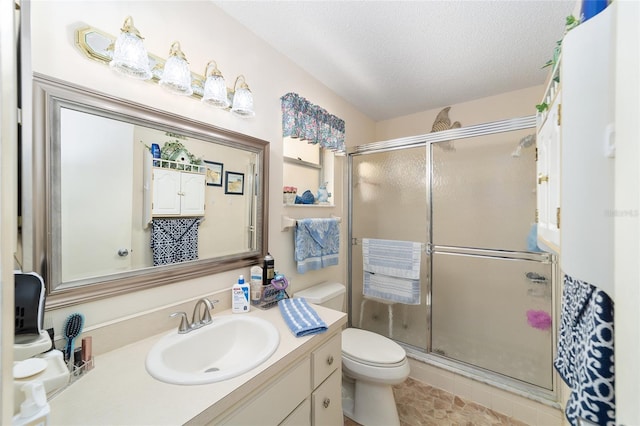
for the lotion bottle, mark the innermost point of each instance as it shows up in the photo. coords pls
(240, 297)
(256, 285)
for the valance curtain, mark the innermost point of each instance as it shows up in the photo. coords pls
(306, 121)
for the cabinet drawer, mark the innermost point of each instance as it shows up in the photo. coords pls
(326, 359)
(326, 402)
(275, 402)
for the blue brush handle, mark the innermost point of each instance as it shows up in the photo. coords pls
(68, 350)
(72, 329)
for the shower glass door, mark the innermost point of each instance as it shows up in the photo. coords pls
(486, 291)
(491, 295)
(389, 201)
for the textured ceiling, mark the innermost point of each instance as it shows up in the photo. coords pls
(392, 58)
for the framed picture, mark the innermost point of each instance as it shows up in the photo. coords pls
(214, 173)
(234, 183)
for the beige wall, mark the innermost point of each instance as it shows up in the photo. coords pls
(269, 74)
(8, 195)
(205, 33)
(519, 103)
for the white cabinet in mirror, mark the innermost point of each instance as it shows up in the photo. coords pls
(98, 193)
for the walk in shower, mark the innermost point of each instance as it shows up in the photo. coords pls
(486, 296)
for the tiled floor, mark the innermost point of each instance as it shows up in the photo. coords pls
(422, 405)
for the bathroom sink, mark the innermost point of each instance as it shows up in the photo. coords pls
(231, 345)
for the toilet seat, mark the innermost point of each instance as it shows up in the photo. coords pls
(371, 349)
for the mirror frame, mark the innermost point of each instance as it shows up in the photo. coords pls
(48, 94)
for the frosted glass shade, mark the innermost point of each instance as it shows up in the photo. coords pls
(130, 57)
(176, 76)
(215, 92)
(243, 103)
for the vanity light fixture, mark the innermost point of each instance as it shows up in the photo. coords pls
(242, 99)
(176, 76)
(215, 88)
(126, 54)
(130, 56)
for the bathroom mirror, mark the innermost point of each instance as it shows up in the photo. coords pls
(92, 227)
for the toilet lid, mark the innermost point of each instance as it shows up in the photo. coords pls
(371, 348)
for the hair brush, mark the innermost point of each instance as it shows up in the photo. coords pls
(72, 329)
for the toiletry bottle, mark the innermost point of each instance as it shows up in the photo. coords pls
(240, 297)
(34, 411)
(256, 284)
(267, 269)
(155, 153)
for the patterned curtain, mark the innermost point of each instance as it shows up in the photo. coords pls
(306, 121)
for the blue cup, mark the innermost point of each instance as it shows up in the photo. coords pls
(591, 8)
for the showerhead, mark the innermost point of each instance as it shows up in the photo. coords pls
(525, 142)
(528, 140)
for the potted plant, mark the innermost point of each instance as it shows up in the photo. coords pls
(289, 194)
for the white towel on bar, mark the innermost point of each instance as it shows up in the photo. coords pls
(390, 257)
(392, 270)
(384, 287)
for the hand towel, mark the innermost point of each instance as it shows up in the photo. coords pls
(301, 318)
(392, 270)
(174, 240)
(317, 243)
(585, 356)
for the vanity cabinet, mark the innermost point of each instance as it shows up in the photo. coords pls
(309, 393)
(177, 193)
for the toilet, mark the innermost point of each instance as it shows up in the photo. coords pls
(371, 364)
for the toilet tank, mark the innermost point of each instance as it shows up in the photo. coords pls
(327, 294)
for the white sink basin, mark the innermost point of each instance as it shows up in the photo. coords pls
(231, 345)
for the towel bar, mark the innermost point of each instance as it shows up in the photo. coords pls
(425, 247)
(287, 222)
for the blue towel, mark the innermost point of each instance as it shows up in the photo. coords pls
(317, 243)
(301, 318)
(585, 358)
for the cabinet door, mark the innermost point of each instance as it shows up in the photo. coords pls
(301, 416)
(326, 402)
(588, 89)
(275, 402)
(548, 179)
(192, 194)
(166, 192)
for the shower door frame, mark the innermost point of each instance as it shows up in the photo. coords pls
(427, 356)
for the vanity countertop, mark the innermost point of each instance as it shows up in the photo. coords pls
(119, 391)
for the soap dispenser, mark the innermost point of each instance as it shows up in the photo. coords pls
(35, 409)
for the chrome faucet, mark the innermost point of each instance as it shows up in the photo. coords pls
(203, 318)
